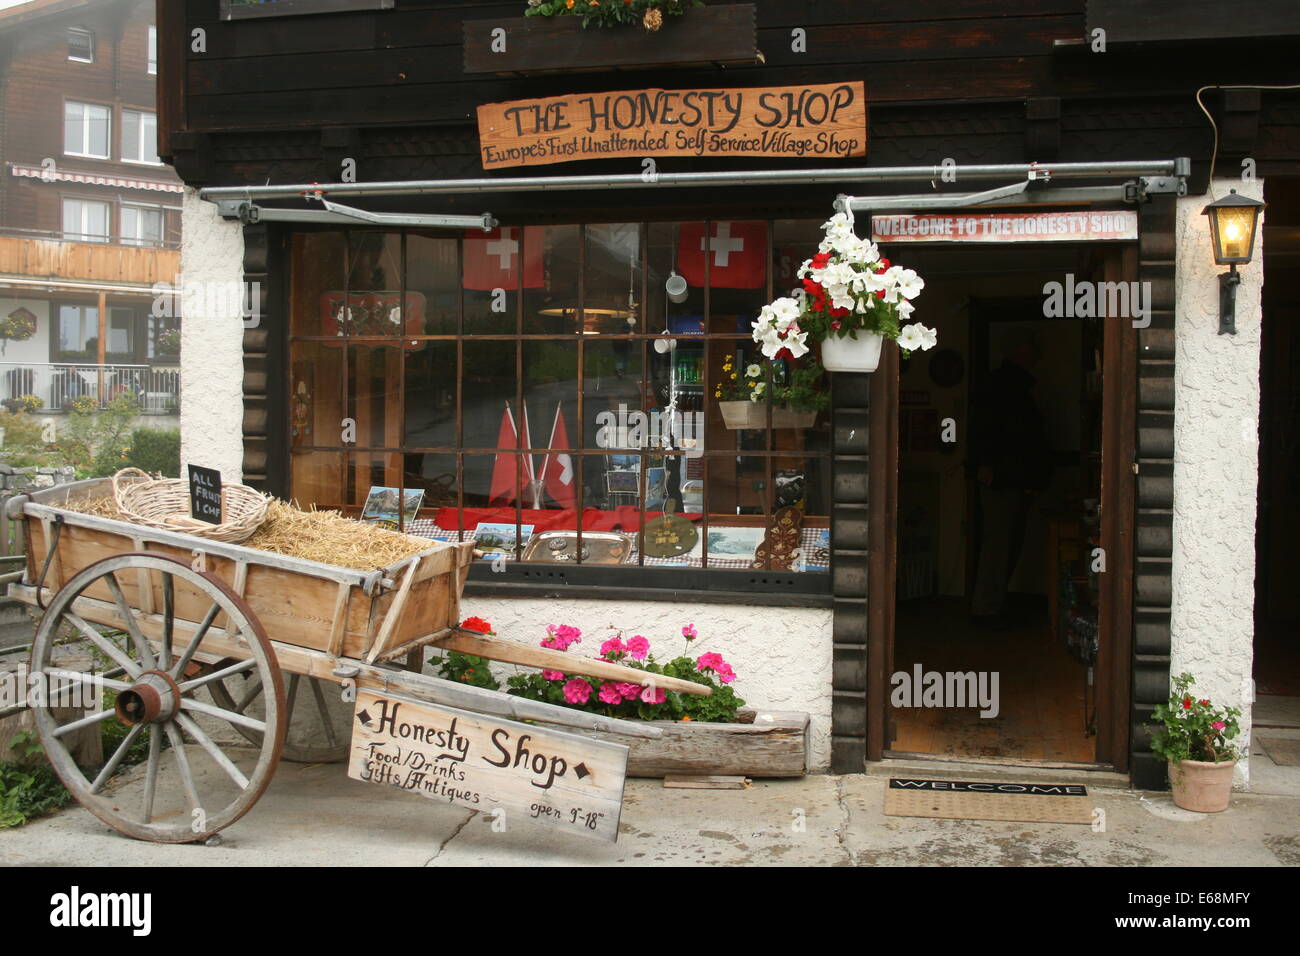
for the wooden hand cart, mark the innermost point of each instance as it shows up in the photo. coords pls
(201, 615)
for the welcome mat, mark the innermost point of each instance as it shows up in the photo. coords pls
(988, 800)
(1284, 753)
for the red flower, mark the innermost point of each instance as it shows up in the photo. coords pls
(1187, 703)
(783, 354)
(835, 326)
(1205, 703)
(476, 624)
(884, 264)
(821, 260)
(880, 293)
(839, 313)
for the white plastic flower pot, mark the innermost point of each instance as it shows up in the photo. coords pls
(861, 354)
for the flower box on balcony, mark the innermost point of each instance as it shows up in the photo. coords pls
(713, 35)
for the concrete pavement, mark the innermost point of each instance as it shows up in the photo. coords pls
(313, 815)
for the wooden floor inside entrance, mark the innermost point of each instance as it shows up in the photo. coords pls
(1044, 703)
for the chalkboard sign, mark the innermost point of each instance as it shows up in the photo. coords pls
(205, 494)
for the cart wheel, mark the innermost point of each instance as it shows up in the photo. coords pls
(214, 783)
(320, 721)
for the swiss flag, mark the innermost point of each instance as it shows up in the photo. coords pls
(557, 469)
(737, 254)
(492, 258)
(505, 469)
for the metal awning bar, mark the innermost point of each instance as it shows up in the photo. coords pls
(1008, 196)
(932, 200)
(247, 211)
(759, 177)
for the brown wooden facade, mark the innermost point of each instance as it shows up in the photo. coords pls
(246, 102)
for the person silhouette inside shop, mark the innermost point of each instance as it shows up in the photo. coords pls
(1012, 462)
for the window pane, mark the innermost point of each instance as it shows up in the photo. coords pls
(663, 314)
(97, 121)
(431, 271)
(435, 475)
(613, 286)
(130, 135)
(320, 478)
(374, 395)
(489, 410)
(96, 219)
(612, 403)
(737, 271)
(375, 284)
(73, 128)
(316, 394)
(317, 271)
(550, 279)
(121, 334)
(431, 395)
(148, 138)
(71, 217)
(153, 49)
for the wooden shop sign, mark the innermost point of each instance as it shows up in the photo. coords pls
(486, 763)
(824, 121)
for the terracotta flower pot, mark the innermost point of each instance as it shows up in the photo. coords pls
(852, 355)
(1200, 785)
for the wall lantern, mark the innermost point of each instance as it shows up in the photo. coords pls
(1234, 221)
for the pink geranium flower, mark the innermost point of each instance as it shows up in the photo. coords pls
(610, 694)
(560, 637)
(613, 646)
(629, 691)
(638, 647)
(653, 695)
(1218, 725)
(577, 691)
(553, 675)
(689, 632)
(710, 661)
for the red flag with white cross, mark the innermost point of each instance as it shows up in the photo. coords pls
(736, 251)
(493, 259)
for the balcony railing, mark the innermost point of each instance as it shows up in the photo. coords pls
(53, 257)
(156, 389)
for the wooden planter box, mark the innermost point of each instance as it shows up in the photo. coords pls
(716, 35)
(772, 747)
(741, 415)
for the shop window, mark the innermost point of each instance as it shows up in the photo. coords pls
(140, 137)
(247, 9)
(86, 130)
(539, 382)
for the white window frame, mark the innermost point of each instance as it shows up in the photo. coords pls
(153, 143)
(85, 129)
(152, 51)
(87, 33)
(136, 240)
(84, 235)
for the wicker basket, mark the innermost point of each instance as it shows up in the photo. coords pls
(165, 503)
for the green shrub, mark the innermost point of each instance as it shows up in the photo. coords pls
(156, 450)
(25, 445)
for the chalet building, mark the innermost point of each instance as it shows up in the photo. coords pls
(90, 216)
(505, 268)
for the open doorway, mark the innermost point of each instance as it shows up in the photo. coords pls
(999, 495)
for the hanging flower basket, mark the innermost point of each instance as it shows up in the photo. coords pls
(18, 326)
(852, 299)
(570, 41)
(848, 354)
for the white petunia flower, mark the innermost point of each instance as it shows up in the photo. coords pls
(753, 371)
(911, 338)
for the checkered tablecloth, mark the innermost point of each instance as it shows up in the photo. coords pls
(815, 556)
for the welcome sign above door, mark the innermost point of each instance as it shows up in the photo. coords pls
(824, 121)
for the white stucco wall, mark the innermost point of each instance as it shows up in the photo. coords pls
(37, 348)
(781, 655)
(1216, 464)
(212, 341)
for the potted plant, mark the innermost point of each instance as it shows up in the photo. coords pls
(169, 342)
(851, 300)
(742, 395)
(1195, 738)
(648, 13)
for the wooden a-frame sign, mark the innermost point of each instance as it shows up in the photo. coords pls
(527, 773)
